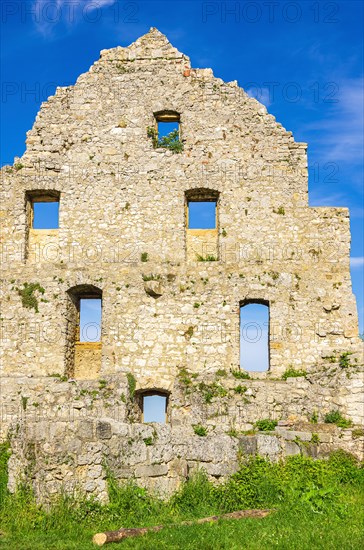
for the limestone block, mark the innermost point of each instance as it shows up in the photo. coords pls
(248, 445)
(303, 436)
(177, 468)
(103, 430)
(291, 448)
(151, 470)
(85, 429)
(221, 469)
(153, 288)
(268, 445)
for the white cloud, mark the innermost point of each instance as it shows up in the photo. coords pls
(49, 13)
(319, 197)
(341, 132)
(357, 261)
(95, 4)
(260, 94)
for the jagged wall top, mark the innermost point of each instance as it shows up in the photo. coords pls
(152, 45)
(104, 117)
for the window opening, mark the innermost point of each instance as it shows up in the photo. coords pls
(254, 336)
(154, 407)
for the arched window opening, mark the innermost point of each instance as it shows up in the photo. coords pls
(153, 406)
(254, 335)
(83, 349)
(201, 207)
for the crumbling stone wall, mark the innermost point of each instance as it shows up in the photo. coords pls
(122, 229)
(66, 439)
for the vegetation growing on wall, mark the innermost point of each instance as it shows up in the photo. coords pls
(199, 430)
(335, 417)
(151, 277)
(131, 384)
(293, 373)
(207, 258)
(208, 391)
(266, 425)
(240, 374)
(344, 360)
(28, 296)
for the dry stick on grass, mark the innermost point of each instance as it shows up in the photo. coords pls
(116, 536)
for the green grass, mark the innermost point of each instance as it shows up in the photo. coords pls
(293, 373)
(28, 298)
(266, 425)
(240, 374)
(335, 417)
(199, 430)
(319, 505)
(207, 258)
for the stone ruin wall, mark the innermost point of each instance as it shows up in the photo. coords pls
(121, 198)
(64, 434)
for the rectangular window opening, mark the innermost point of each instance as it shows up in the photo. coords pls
(254, 337)
(45, 214)
(167, 132)
(155, 408)
(202, 214)
(90, 320)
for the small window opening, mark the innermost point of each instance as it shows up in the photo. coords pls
(45, 213)
(254, 336)
(154, 407)
(90, 320)
(202, 215)
(42, 224)
(201, 218)
(167, 132)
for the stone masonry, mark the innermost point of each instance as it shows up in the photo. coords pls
(171, 295)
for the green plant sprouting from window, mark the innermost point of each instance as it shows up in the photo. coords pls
(170, 141)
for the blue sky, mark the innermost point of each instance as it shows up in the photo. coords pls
(302, 59)
(202, 215)
(45, 215)
(90, 319)
(154, 407)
